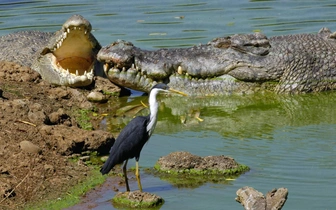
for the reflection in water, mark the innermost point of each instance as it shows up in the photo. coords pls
(248, 116)
(185, 180)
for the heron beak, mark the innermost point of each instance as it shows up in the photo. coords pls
(178, 92)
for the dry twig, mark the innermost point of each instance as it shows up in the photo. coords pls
(7, 196)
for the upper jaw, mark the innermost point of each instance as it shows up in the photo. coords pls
(130, 78)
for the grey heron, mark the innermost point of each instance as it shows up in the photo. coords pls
(132, 138)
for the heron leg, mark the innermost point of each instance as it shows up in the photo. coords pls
(137, 175)
(125, 174)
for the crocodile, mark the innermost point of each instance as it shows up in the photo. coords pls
(237, 64)
(65, 57)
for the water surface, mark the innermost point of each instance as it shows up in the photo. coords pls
(288, 141)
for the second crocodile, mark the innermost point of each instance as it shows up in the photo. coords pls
(239, 64)
(66, 57)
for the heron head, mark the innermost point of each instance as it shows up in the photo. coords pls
(165, 88)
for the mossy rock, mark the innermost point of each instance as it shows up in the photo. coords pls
(137, 199)
(184, 169)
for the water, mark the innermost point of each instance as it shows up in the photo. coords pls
(288, 141)
(173, 23)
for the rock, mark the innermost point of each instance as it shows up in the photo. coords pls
(97, 97)
(276, 198)
(251, 199)
(185, 162)
(28, 146)
(183, 169)
(137, 199)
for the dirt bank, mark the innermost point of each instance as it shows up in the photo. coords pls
(39, 130)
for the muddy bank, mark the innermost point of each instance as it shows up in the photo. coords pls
(39, 130)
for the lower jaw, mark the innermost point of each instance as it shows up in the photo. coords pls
(225, 85)
(129, 79)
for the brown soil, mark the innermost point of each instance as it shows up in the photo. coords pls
(39, 130)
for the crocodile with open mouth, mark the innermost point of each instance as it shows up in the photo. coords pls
(66, 57)
(238, 64)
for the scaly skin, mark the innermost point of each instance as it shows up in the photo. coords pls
(66, 57)
(240, 64)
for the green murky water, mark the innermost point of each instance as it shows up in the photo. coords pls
(288, 141)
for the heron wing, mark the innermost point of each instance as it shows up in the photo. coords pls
(128, 144)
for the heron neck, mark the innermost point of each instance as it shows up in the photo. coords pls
(153, 106)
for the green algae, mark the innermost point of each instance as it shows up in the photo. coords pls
(228, 172)
(137, 199)
(193, 178)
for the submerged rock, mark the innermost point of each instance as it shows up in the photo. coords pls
(137, 199)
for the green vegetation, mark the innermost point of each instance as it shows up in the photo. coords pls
(74, 194)
(83, 117)
(111, 93)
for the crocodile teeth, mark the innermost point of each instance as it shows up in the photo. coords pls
(75, 28)
(68, 30)
(84, 72)
(85, 32)
(77, 73)
(179, 70)
(68, 71)
(106, 67)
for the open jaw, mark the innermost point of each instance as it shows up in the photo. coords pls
(71, 56)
